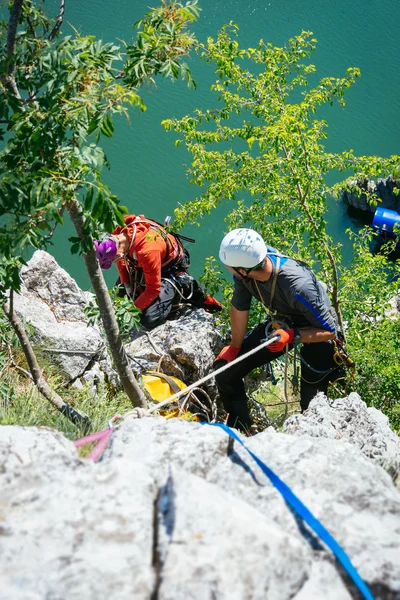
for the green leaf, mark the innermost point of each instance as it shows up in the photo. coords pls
(107, 126)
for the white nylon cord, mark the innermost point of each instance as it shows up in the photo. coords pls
(190, 387)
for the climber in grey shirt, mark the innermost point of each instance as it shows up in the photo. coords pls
(299, 297)
(293, 297)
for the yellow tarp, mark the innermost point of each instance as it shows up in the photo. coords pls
(160, 389)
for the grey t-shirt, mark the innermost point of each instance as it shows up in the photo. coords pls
(299, 299)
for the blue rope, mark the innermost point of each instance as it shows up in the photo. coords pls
(296, 504)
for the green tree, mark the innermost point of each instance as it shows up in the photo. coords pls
(58, 96)
(262, 149)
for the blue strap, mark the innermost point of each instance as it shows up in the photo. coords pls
(296, 504)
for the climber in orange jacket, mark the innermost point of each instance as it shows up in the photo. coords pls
(153, 267)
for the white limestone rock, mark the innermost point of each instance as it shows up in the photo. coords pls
(176, 511)
(349, 419)
(212, 544)
(192, 342)
(52, 303)
(46, 280)
(71, 529)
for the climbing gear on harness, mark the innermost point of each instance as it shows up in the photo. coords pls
(341, 357)
(323, 372)
(242, 248)
(304, 513)
(269, 373)
(106, 251)
(228, 353)
(180, 285)
(273, 325)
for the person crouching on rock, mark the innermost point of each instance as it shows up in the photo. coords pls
(153, 267)
(300, 312)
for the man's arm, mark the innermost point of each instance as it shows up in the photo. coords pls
(239, 322)
(312, 335)
(315, 307)
(150, 262)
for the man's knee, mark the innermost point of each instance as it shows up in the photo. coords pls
(151, 319)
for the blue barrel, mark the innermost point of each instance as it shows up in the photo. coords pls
(386, 220)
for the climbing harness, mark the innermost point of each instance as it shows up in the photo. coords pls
(174, 279)
(306, 515)
(340, 356)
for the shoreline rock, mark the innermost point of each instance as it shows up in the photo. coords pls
(383, 188)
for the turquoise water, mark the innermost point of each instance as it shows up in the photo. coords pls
(148, 172)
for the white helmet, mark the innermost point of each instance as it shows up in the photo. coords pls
(242, 248)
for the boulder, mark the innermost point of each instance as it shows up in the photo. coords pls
(177, 510)
(349, 419)
(53, 304)
(184, 348)
(76, 531)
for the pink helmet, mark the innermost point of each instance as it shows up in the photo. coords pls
(106, 251)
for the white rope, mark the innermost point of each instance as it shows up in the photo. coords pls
(183, 392)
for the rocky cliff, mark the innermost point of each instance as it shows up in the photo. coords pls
(177, 510)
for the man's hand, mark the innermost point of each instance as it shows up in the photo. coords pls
(228, 354)
(286, 337)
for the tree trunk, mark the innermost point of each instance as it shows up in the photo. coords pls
(9, 77)
(117, 349)
(73, 415)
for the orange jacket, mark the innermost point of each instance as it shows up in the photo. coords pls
(149, 251)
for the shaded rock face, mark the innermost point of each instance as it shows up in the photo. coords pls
(52, 302)
(351, 420)
(176, 511)
(186, 347)
(383, 188)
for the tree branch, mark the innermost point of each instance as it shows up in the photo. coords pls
(121, 363)
(335, 286)
(9, 79)
(31, 27)
(73, 415)
(59, 21)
